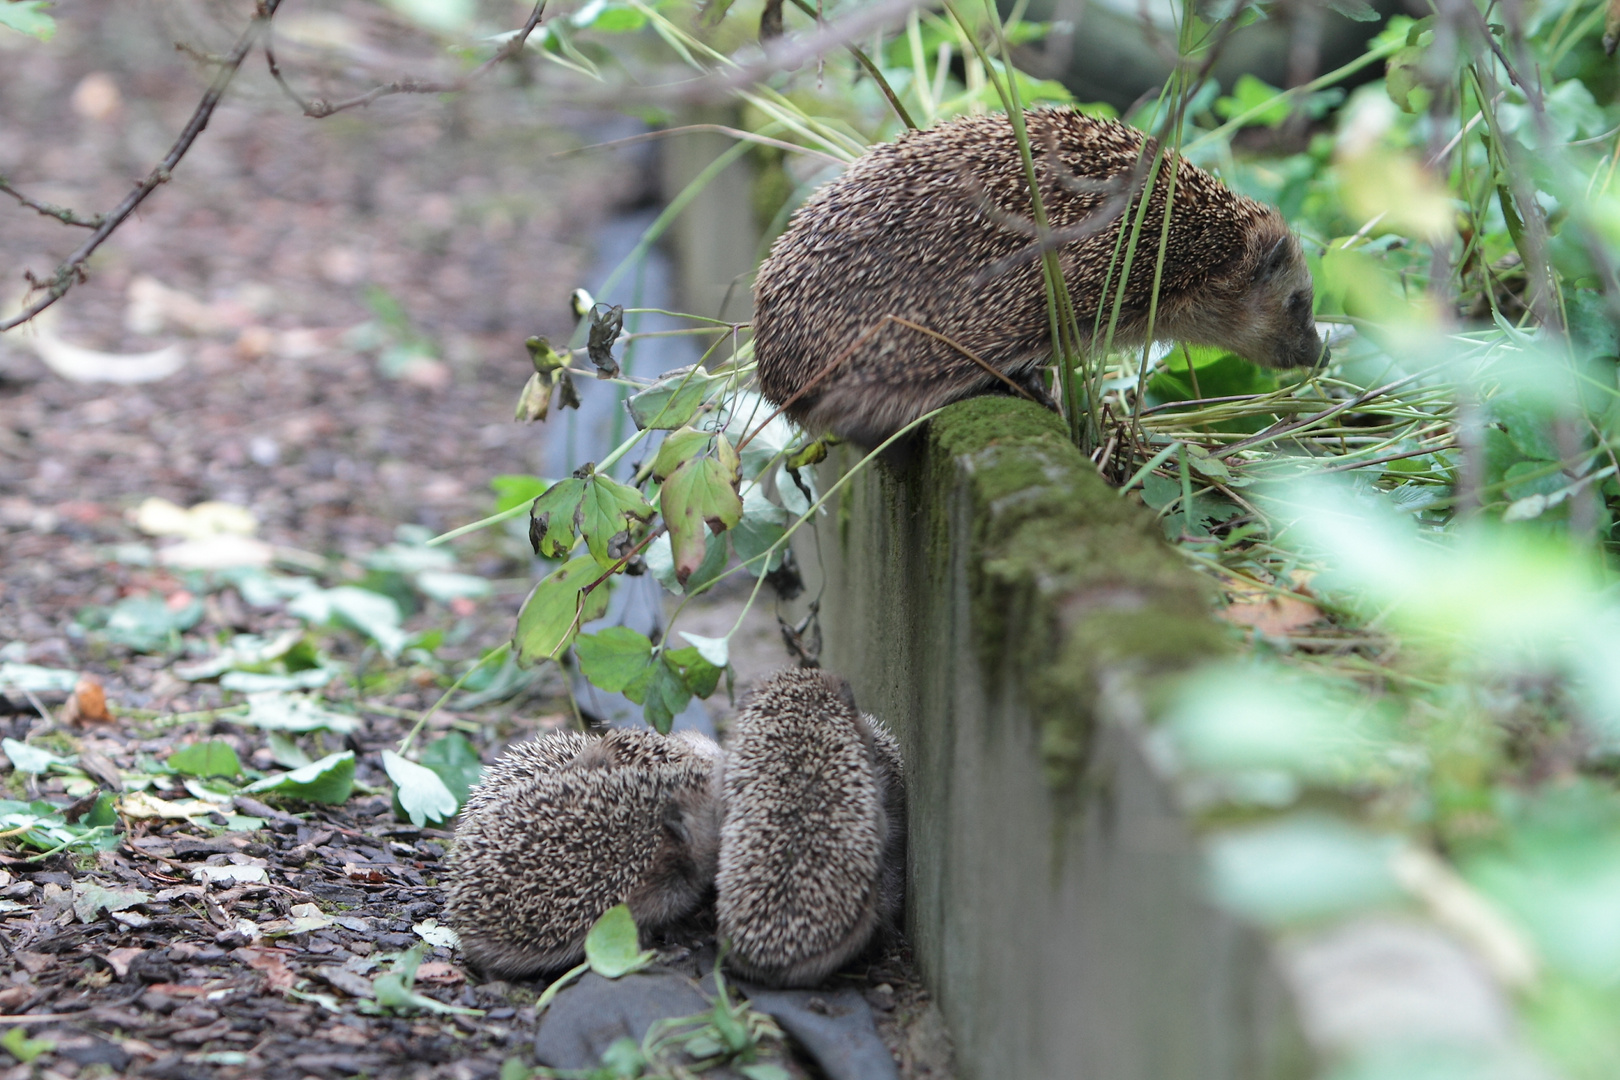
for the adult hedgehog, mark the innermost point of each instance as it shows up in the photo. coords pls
(936, 228)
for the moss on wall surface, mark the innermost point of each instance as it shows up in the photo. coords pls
(997, 604)
(1067, 578)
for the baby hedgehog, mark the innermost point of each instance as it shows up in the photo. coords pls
(936, 228)
(812, 851)
(564, 827)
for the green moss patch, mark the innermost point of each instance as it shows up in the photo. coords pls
(1068, 580)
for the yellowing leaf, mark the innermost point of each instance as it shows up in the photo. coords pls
(700, 495)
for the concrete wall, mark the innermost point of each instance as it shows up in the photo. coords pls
(998, 604)
(1008, 614)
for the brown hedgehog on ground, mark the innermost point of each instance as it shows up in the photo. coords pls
(935, 228)
(566, 826)
(812, 850)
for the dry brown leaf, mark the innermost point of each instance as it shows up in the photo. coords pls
(88, 703)
(120, 959)
(367, 874)
(1269, 612)
(439, 973)
(272, 962)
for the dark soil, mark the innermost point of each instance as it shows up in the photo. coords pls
(285, 235)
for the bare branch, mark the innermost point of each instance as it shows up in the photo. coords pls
(319, 109)
(51, 210)
(71, 272)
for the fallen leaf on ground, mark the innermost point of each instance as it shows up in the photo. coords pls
(88, 703)
(1270, 612)
(273, 964)
(120, 959)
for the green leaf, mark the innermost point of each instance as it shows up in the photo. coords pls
(555, 610)
(661, 692)
(613, 945)
(392, 991)
(764, 1071)
(514, 490)
(677, 449)
(1403, 73)
(16, 1041)
(328, 780)
(598, 506)
(1250, 93)
(701, 497)
(456, 761)
(41, 680)
(661, 563)
(30, 759)
(673, 400)
(763, 524)
(716, 650)
(608, 512)
(28, 17)
(373, 614)
(698, 673)
(614, 658)
(148, 623)
(421, 793)
(277, 711)
(554, 518)
(216, 757)
(623, 1060)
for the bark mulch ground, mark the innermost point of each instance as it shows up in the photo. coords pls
(351, 296)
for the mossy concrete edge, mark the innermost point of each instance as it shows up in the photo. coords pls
(1002, 608)
(1068, 579)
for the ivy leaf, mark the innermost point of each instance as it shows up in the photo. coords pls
(216, 757)
(557, 608)
(614, 658)
(613, 946)
(328, 780)
(701, 493)
(673, 400)
(422, 794)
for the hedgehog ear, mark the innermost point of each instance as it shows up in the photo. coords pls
(1276, 259)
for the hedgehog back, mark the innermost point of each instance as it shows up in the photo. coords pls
(551, 842)
(800, 848)
(934, 228)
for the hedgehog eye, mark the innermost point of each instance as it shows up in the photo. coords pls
(1299, 303)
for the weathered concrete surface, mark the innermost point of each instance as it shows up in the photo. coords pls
(999, 605)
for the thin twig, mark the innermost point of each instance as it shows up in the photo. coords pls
(50, 210)
(320, 109)
(71, 272)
